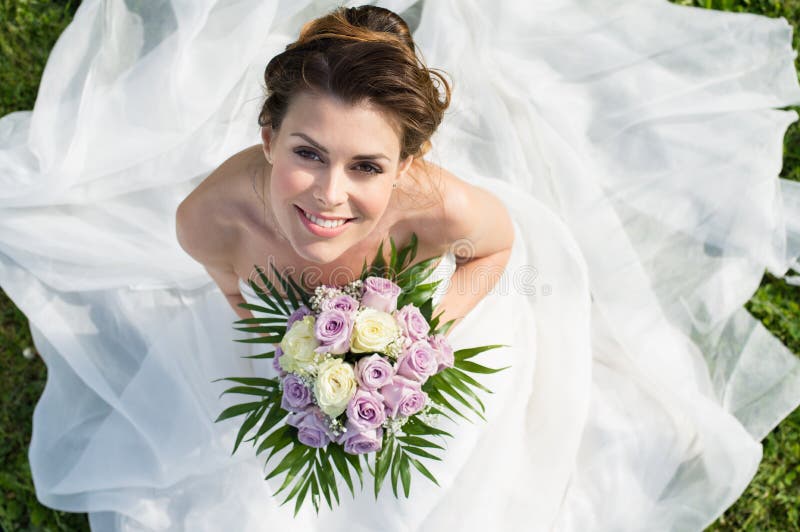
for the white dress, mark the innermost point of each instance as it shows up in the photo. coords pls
(636, 145)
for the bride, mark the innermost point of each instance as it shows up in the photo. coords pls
(601, 168)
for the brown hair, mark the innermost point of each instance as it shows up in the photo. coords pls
(357, 54)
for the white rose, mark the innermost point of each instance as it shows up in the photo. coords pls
(298, 346)
(334, 386)
(372, 331)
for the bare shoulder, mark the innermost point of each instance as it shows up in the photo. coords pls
(207, 221)
(470, 219)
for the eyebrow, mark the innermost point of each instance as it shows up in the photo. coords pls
(320, 148)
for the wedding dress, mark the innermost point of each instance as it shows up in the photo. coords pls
(636, 146)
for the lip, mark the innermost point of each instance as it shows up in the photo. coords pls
(317, 230)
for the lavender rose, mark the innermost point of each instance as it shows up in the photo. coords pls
(412, 322)
(403, 397)
(345, 303)
(276, 361)
(443, 350)
(365, 410)
(373, 371)
(380, 294)
(312, 428)
(333, 329)
(298, 314)
(360, 442)
(418, 361)
(296, 395)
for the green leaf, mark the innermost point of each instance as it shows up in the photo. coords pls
(251, 381)
(262, 329)
(383, 461)
(276, 298)
(446, 327)
(456, 383)
(398, 453)
(246, 390)
(464, 354)
(272, 339)
(302, 494)
(259, 308)
(297, 486)
(355, 461)
(340, 462)
(315, 492)
(419, 442)
(290, 475)
(472, 367)
(437, 397)
(259, 321)
(286, 440)
(420, 452)
(328, 473)
(422, 469)
(418, 428)
(238, 410)
(405, 476)
(324, 483)
(275, 414)
(298, 453)
(466, 378)
(306, 299)
(248, 424)
(286, 288)
(273, 439)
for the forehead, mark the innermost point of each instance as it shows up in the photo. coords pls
(339, 125)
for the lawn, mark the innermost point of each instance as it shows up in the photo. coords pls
(28, 29)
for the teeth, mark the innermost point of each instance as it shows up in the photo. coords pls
(323, 223)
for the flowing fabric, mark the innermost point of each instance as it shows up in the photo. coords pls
(637, 148)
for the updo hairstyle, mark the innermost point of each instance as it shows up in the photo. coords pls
(361, 54)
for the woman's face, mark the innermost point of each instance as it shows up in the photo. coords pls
(330, 160)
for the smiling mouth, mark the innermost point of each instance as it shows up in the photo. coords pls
(321, 222)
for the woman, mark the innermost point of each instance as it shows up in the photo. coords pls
(636, 165)
(350, 86)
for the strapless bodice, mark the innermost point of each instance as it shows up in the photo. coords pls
(443, 271)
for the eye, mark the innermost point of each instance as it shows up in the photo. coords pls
(369, 168)
(307, 154)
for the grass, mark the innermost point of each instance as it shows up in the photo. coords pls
(28, 30)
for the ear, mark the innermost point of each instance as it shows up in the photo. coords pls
(405, 164)
(267, 136)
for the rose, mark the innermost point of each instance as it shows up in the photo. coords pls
(373, 371)
(418, 361)
(296, 395)
(360, 442)
(333, 329)
(403, 396)
(276, 361)
(312, 428)
(372, 331)
(412, 322)
(343, 302)
(365, 410)
(298, 346)
(379, 293)
(443, 350)
(334, 386)
(301, 312)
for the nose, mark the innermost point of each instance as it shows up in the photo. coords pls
(331, 188)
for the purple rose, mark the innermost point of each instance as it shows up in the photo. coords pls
(312, 427)
(418, 361)
(275, 361)
(357, 442)
(443, 350)
(380, 294)
(301, 312)
(412, 322)
(373, 371)
(333, 329)
(365, 410)
(296, 395)
(403, 397)
(345, 303)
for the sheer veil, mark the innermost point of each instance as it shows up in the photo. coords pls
(636, 143)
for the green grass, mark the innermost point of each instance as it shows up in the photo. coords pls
(28, 29)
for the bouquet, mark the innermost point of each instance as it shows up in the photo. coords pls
(364, 371)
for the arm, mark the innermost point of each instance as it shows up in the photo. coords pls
(210, 243)
(476, 221)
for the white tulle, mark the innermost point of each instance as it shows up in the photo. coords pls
(636, 145)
